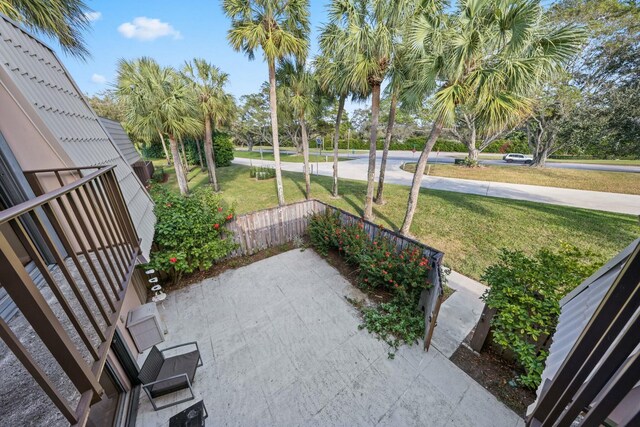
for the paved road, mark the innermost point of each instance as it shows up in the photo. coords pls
(449, 157)
(597, 200)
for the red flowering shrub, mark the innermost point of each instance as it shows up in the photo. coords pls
(380, 265)
(189, 233)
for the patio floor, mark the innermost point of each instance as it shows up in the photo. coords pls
(281, 347)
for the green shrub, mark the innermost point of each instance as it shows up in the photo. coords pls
(190, 234)
(262, 172)
(223, 147)
(394, 322)
(152, 151)
(525, 291)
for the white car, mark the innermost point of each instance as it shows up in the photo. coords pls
(517, 158)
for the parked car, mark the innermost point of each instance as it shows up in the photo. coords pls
(517, 158)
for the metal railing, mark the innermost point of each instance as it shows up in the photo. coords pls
(82, 240)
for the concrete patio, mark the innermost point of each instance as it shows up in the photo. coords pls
(281, 347)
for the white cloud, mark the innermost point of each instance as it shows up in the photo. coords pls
(98, 78)
(147, 29)
(93, 16)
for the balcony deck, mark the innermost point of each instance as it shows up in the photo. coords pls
(281, 346)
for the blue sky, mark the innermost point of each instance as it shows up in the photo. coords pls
(173, 32)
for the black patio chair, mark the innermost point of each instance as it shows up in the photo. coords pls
(162, 375)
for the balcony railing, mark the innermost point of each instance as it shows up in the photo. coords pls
(81, 239)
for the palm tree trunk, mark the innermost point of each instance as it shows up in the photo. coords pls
(385, 152)
(200, 155)
(184, 157)
(273, 107)
(419, 173)
(373, 137)
(164, 147)
(305, 155)
(471, 143)
(180, 175)
(209, 155)
(336, 145)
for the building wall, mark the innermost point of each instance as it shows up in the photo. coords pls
(47, 92)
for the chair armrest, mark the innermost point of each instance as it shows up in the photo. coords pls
(167, 379)
(183, 345)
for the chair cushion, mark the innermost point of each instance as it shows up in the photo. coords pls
(182, 364)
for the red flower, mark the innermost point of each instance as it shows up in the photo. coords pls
(357, 236)
(173, 260)
(396, 285)
(220, 209)
(229, 217)
(216, 226)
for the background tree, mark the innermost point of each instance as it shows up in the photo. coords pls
(299, 85)
(253, 124)
(106, 104)
(280, 28)
(215, 105)
(157, 100)
(63, 20)
(484, 57)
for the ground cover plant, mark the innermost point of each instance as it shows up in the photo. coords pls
(404, 275)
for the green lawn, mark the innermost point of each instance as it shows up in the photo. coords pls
(613, 182)
(469, 229)
(620, 162)
(292, 158)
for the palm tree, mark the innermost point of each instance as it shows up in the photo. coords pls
(487, 57)
(157, 100)
(64, 20)
(398, 72)
(334, 81)
(280, 28)
(136, 86)
(299, 85)
(215, 104)
(365, 31)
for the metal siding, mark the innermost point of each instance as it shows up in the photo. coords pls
(121, 139)
(42, 79)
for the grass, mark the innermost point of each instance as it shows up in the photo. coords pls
(613, 182)
(292, 158)
(620, 162)
(469, 229)
(312, 149)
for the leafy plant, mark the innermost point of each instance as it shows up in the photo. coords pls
(395, 322)
(525, 291)
(223, 148)
(190, 231)
(262, 172)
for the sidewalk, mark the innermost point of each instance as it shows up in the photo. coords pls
(357, 170)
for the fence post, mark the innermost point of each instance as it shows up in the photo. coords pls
(482, 328)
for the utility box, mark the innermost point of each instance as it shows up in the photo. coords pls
(144, 326)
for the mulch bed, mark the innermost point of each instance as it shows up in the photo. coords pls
(494, 373)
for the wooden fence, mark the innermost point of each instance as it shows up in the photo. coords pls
(267, 228)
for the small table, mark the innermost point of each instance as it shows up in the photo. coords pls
(193, 416)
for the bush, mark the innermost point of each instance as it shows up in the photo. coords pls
(525, 292)
(153, 150)
(405, 274)
(262, 172)
(223, 147)
(190, 233)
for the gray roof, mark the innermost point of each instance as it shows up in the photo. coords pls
(121, 139)
(576, 309)
(48, 87)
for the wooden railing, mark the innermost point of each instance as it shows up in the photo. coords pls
(276, 226)
(82, 240)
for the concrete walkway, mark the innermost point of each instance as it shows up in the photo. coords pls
(281, 347)
(597, 200)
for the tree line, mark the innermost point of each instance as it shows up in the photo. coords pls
(565, 76)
